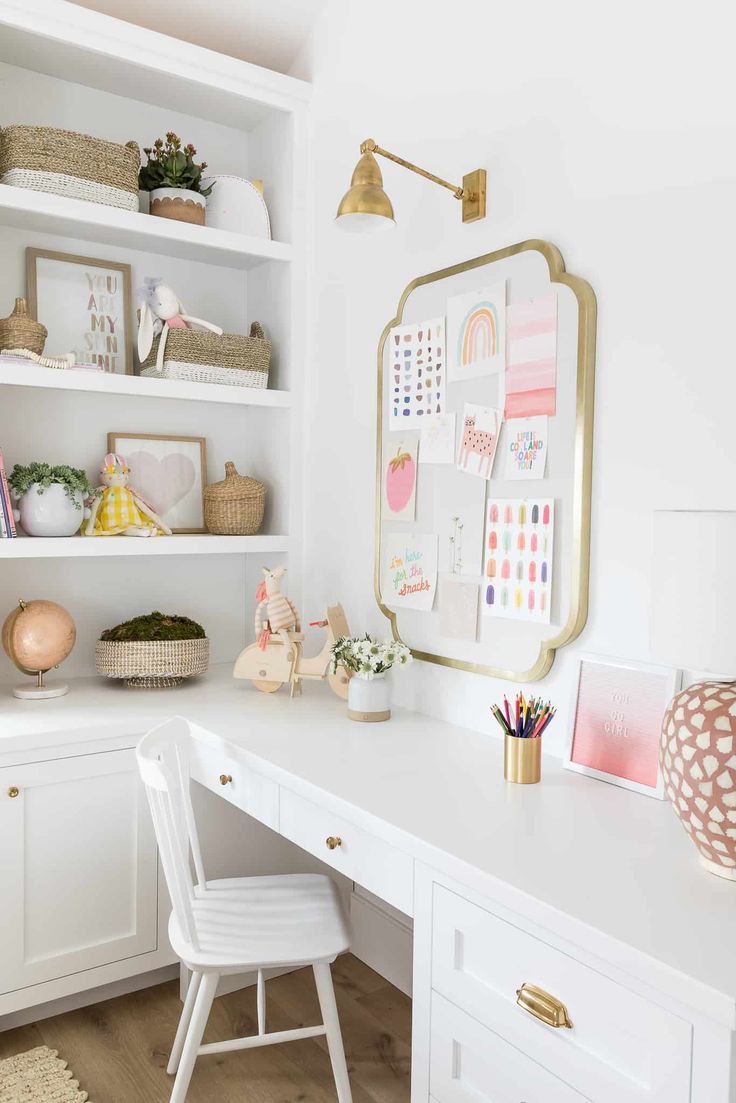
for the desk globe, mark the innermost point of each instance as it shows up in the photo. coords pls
(37, 636)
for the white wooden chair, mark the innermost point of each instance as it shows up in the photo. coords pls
(235, 925)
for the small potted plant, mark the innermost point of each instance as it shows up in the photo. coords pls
(369, 661)
(174, 180)
(51, 500)
(153, 651)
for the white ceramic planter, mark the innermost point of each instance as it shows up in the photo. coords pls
(369, 698)
(178, 203)
(49, 512)
(237, 205)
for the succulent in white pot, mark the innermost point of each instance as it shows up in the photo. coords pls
(369, 699)
(50, 500)
(174, 181)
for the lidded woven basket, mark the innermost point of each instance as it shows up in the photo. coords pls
(20, 331)
(234, 506)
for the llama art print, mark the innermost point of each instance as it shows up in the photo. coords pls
(479, 440)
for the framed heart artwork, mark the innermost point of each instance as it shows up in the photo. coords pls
(168, 473)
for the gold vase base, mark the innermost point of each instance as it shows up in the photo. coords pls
(727, 872)
(369, 717)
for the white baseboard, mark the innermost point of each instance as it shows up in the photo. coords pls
(382, 938)
(84, 999)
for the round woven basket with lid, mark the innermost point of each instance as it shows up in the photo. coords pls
(234, 506)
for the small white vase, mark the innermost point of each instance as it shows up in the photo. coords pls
(369, 698)
(49, 512)
(178, 203)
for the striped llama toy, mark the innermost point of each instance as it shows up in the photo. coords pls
(274, 612)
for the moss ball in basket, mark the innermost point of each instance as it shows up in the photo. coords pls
(234, 506)
(153, 651)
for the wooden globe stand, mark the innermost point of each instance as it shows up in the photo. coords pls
(42, 691)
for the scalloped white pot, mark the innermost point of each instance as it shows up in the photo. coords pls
(49, 512)
(369, 699)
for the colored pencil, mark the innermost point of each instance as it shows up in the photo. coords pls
(530, 718)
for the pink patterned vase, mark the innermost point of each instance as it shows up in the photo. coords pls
(697, 753)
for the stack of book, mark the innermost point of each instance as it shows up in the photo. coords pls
(7, 523)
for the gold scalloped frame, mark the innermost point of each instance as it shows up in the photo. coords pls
(583, 463)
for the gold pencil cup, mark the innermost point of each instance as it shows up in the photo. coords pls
(522, 759)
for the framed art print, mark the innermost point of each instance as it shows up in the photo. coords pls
(169, 474)
(617, 715)
(85, 305)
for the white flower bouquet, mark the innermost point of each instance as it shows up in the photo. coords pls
(366, 657)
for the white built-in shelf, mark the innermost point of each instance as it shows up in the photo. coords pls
(24, 209)
(67, 547)
(31, 375)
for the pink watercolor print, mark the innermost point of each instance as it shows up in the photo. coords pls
(162, 482)
(617, 721)
(531, 367)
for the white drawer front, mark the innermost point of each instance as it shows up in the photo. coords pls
(621, 1047)
(469, 1063)
(375, 865)
(247, 790)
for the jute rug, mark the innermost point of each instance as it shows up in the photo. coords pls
(38, 1076)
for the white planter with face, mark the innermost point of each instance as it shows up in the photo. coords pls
(49, 512)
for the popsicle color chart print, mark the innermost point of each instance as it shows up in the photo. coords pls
(531, 367)
(409, 571)
(476, 333)
(518, 558)
(417, 372)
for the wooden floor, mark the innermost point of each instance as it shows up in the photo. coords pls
(118, 1049)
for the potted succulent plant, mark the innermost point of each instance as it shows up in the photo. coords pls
(174, 180)
(51, 500)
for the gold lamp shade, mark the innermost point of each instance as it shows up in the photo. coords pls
(365, 205)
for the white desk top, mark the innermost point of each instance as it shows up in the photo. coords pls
(587, 852)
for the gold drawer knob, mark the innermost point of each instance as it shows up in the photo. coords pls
(333, 841)
(226, 779)
(548, 1009)
(13, 791)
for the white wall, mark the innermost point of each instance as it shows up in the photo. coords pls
(608, 130)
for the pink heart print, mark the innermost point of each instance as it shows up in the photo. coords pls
(162, 482)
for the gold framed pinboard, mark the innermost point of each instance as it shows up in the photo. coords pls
(492, 489)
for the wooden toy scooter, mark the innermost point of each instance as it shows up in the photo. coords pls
(271, 667)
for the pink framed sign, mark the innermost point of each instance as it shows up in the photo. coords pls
(617, 712)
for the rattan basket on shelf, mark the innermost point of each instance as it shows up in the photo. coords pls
(234, 506)
(69, 164)
(20, 331)
(204, 356)
(152, 664)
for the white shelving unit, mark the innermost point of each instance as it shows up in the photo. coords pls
(62, 65)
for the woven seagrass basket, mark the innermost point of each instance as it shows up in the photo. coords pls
(64, 162)
(20, 331)
(152, 664)
(226, 350)
(234, 507)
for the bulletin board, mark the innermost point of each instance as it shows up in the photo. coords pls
(484, 462)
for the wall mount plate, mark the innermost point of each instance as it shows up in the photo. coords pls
(475, 183)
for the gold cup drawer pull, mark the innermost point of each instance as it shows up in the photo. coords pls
(548, 1009)
(333, 841)
(13, 791)
(226, 779)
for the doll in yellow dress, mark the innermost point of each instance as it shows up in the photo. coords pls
(119, 511)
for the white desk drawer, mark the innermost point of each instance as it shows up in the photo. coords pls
(247, 790)
(621, 1047)
(375, 865)
(469, 1063)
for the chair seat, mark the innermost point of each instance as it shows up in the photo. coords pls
(245, 922)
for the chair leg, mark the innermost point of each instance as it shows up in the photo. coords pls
(200, 1015)
(184, 1021)
(261, 1003)
(326, 994)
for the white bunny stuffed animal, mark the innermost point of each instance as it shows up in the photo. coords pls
(161, 311)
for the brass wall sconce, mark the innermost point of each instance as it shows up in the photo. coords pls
(365, 205)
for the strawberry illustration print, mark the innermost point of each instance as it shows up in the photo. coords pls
(400, 482)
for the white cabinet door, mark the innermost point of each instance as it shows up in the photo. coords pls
(79, 867)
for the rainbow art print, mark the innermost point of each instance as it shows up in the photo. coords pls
(476, 333)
